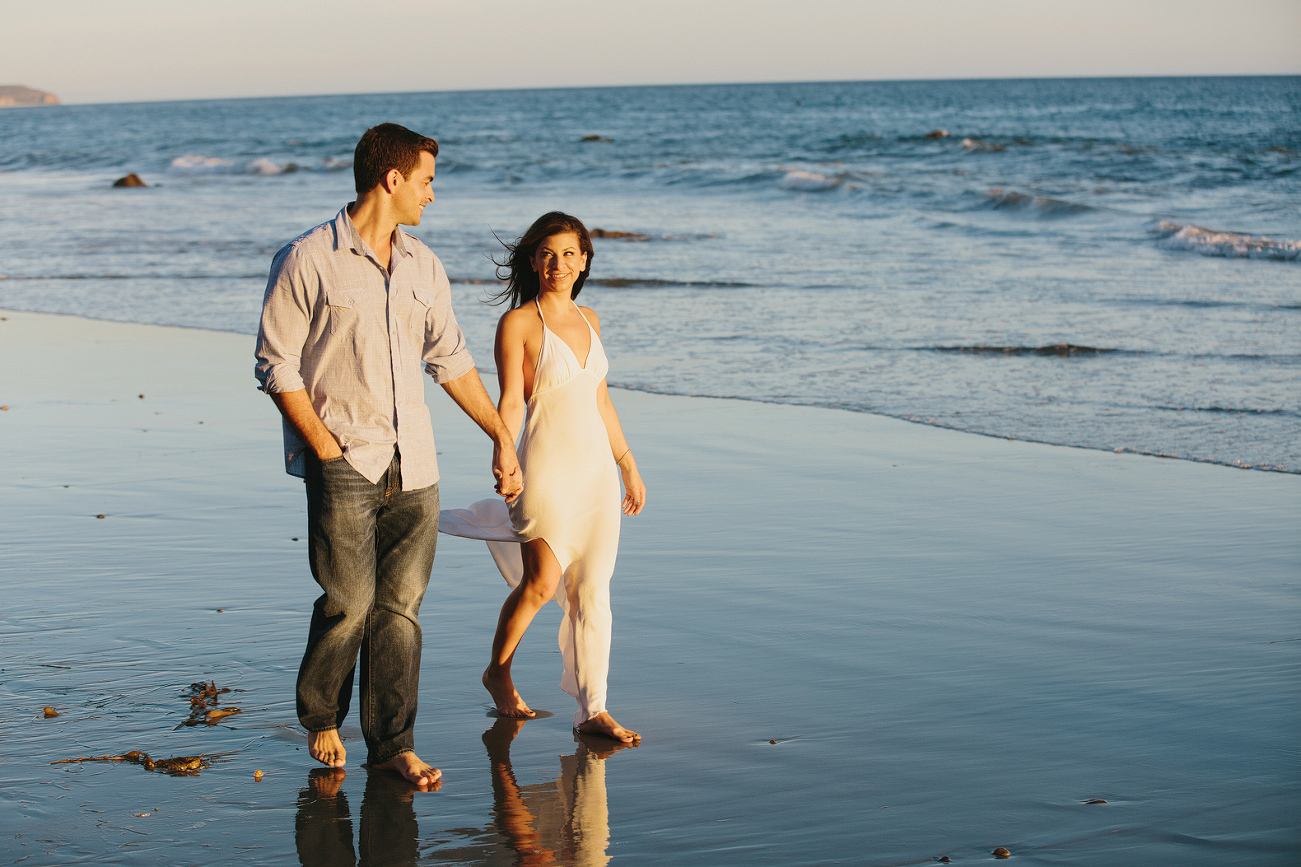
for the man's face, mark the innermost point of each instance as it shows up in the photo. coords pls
(412, 194)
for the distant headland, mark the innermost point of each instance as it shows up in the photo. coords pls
(12, 95)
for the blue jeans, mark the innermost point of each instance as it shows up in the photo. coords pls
(371, 548)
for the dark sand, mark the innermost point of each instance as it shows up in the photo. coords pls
(956, 642)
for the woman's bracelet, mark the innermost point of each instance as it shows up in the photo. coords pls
(625, 454)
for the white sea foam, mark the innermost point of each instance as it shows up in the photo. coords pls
(809, 182)
(1232, 245)
(264, 166)
(191, 164)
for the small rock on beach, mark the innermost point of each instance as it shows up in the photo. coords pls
(131, 180)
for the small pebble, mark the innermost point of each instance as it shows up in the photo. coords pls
(944, 859)
(221, 610)
(99, 516)
(257, 775)
(141, 396)
(50, 712)
(1095, 801)
(772, 742)
(1001, 852)
(4, 407)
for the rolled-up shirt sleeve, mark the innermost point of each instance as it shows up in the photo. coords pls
(286, 319)
(445, 354)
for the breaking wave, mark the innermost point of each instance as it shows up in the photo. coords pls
(1040, 206)
(1229, 245)
(809, 182)
(194, 164)
(1064, 349)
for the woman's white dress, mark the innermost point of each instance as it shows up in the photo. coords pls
(571, 499)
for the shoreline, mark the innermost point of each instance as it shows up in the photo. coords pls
(489, 373)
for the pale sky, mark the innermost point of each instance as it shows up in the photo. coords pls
(125, 50)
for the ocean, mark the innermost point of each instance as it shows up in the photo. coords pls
(1100, 263)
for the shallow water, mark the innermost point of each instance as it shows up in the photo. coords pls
(802, 243)
(955, 641)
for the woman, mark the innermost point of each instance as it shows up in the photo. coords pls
(559, 538)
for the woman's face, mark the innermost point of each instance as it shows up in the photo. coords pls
(558, 261)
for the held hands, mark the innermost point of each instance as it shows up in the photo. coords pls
(506, 470)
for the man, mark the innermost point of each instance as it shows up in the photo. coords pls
(351, 309)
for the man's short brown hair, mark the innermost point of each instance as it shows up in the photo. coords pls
(384, 147)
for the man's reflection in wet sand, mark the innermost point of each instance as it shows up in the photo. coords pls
(566, 822)
(323, 824)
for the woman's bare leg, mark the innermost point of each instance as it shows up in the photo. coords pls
(541, 578)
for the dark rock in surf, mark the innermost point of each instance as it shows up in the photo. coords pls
(131, 180)
(624, 236)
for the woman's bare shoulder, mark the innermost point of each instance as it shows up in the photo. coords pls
(519, 317)
(591, 317)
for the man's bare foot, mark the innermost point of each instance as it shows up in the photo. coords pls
(504, 696)
(604, 724)
(416, 772)
(327, 748)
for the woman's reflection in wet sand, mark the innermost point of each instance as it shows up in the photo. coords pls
(566, 822)
(323, 824)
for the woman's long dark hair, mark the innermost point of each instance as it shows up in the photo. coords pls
(521, 280)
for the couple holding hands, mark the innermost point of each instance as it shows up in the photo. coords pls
(353, 307)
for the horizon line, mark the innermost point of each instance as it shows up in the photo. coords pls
(661, 85)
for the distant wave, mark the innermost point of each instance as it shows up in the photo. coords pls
(1064, 349)
(620, 282)
(1230, 245)
(809, 182)
(1230, 410)
(1207, 304)
(193, 164)
(132, 276)
(1042, 206)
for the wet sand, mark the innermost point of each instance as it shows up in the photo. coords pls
(956, 642)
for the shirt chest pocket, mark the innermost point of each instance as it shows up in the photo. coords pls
(419, 307)
(424, 299)
(349, 307)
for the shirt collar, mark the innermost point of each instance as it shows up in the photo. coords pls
(346, 236)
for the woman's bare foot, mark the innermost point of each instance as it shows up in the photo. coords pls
(604, 724)
(416, 772)
(498, 738)
(327, 748)
(504, 696)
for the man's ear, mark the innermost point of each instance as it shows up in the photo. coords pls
(392, 178)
